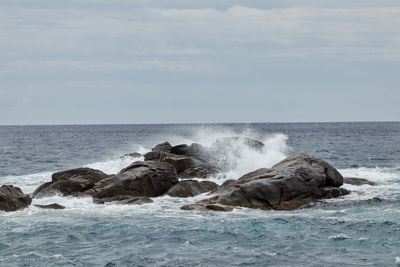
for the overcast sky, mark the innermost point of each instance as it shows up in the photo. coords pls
(127, 61)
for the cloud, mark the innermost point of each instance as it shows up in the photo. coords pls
(187, 45)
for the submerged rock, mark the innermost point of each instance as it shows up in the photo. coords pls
(12, 198)
(127, 200)
(71, 182)
(53, 206)
(358, 181)
(140, 179)
(290, 184)
(191, 188)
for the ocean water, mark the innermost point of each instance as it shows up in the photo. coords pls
(361, 229)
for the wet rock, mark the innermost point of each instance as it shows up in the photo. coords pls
(125, 200)
(207, 207)
(358, 181)
(153, 155)
(140, 179)
(70, 183)
(12, 198)
(163, 147)
(190, 188)
(293, 183)
(53, 206)
(188, 166)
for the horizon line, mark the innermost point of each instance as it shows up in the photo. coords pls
(198, 123)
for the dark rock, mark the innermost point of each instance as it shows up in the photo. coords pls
(155, 152)
(70, 183)
(293, 183)
(197, 161)
(208, 207)
(140, 179)
(203, 171)
(91, 175)
(190, 188)
(164, 147)
(125, 199)
(188, 166)
(153, 155)
(53, 206)
(192, 150)
(358, 181)
(137, 201)
(12, 198)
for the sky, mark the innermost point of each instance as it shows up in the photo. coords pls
(190, 61)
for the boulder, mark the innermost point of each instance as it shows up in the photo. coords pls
(188, 166)
(358, 181)
(163, 147)
(152, 155)
(192, 150)
(71, 182)
(12, 198)
(190, 188)
(140, 179)
(53, 206)
(293, 183)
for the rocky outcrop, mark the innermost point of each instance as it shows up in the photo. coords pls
(140, 179)
(155, 152)
(70, 183)
(191, 188)
(358, 181)
(12, 198)
(290, 184)
(197, 161)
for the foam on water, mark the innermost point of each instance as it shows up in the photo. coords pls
(87, 233)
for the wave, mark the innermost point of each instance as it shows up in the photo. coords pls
(245, 158)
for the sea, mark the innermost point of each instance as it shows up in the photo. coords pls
(360, 229)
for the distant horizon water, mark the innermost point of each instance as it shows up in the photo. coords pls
(361, 229)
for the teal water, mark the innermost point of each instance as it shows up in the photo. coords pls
(361, 229)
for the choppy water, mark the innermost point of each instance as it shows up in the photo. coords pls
(361, 229)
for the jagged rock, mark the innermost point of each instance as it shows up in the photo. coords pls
(153, 155)
(12, 198)
(140, 179)
(53, 206)
(293, 183)
(190, 188)
(197, 161)
(163, 147)
(70, 183)
(192, 150)
(188, 166)
(358, 181)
